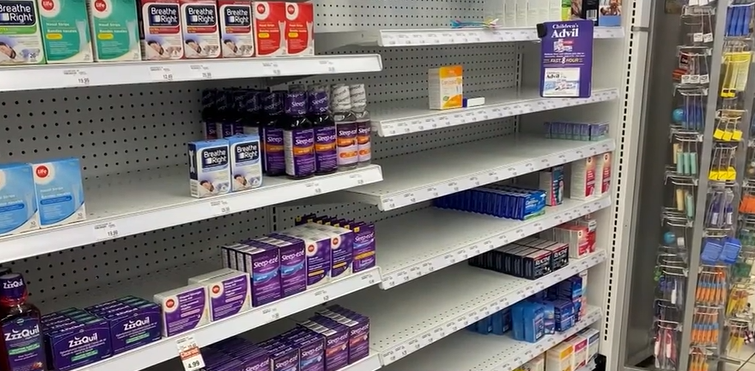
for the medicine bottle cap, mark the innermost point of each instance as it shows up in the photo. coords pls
(340, 98)
(296, 104)
(12, 287)
(271, 102)
(318, 101)
(358, 96)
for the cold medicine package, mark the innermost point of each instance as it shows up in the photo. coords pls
(566, 59)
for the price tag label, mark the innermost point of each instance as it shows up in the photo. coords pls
(271, 68)
(314, 187)
(370, 279)
(358, 178)
(76, 77)
(328, 66)
(322, 294)
(450, 259)
(432, 191)
(201, 71)
(160, 73)
(106, 231)
(189, 353)
(271, 314)
(220, 207)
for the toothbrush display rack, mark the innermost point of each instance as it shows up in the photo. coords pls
(128, 124)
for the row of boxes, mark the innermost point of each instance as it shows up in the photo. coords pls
(40, 195)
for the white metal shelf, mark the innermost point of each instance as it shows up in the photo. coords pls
(490, 353)
(401, 37)
(426, 175)
(133, 203)
(412, 116)
(413, 316)
(165, 349)
(105, 74)
(423, 242)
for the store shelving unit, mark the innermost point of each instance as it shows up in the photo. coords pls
(419, 177)
(391, 119)
(128, 123)
(428, 240)
(160, 201)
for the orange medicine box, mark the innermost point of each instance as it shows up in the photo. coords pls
(445, 87)
(300, 29)
(269, 28)
(237, 37)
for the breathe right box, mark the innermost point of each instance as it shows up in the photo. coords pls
(115, 30)
(20, 37)
(59, 192)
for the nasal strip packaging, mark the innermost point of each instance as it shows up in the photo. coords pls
(115, 30)
(59, 192)
(18, 201)
(201, 33)
(209, 168)
(21, 35)
(237, 36)
(161, 35)
(299, 32)
(269, 25)
(246, 164)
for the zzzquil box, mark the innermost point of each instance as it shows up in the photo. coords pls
(115, 30)
(65, 31)
(20, 38)
(209, 168)
(59, 192)
(18, 202)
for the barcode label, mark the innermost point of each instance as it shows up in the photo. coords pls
(592, 14)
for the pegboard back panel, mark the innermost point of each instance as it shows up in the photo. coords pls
(404, 75)
(357, 15)
(92, 267)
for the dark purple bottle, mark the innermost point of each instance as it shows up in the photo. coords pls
(23, 345)
(298, 137)
(271, 135)
(326, 155)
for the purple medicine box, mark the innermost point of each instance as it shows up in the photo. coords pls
(293, 265)
(318, 253)
(183, 309)
(264, 266)
(78, 345)
(364, 246)
(135, 327)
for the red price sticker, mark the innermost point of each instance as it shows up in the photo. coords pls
(189, 353)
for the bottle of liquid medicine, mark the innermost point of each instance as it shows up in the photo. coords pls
(250, 111)
(23, 347)
(271, 134)
(346, 127)
(364, 125)
(326, 156)
(298, 137)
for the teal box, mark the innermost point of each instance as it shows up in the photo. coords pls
(18, 203)
(59, 192)
(65, 31)
(115, 30)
